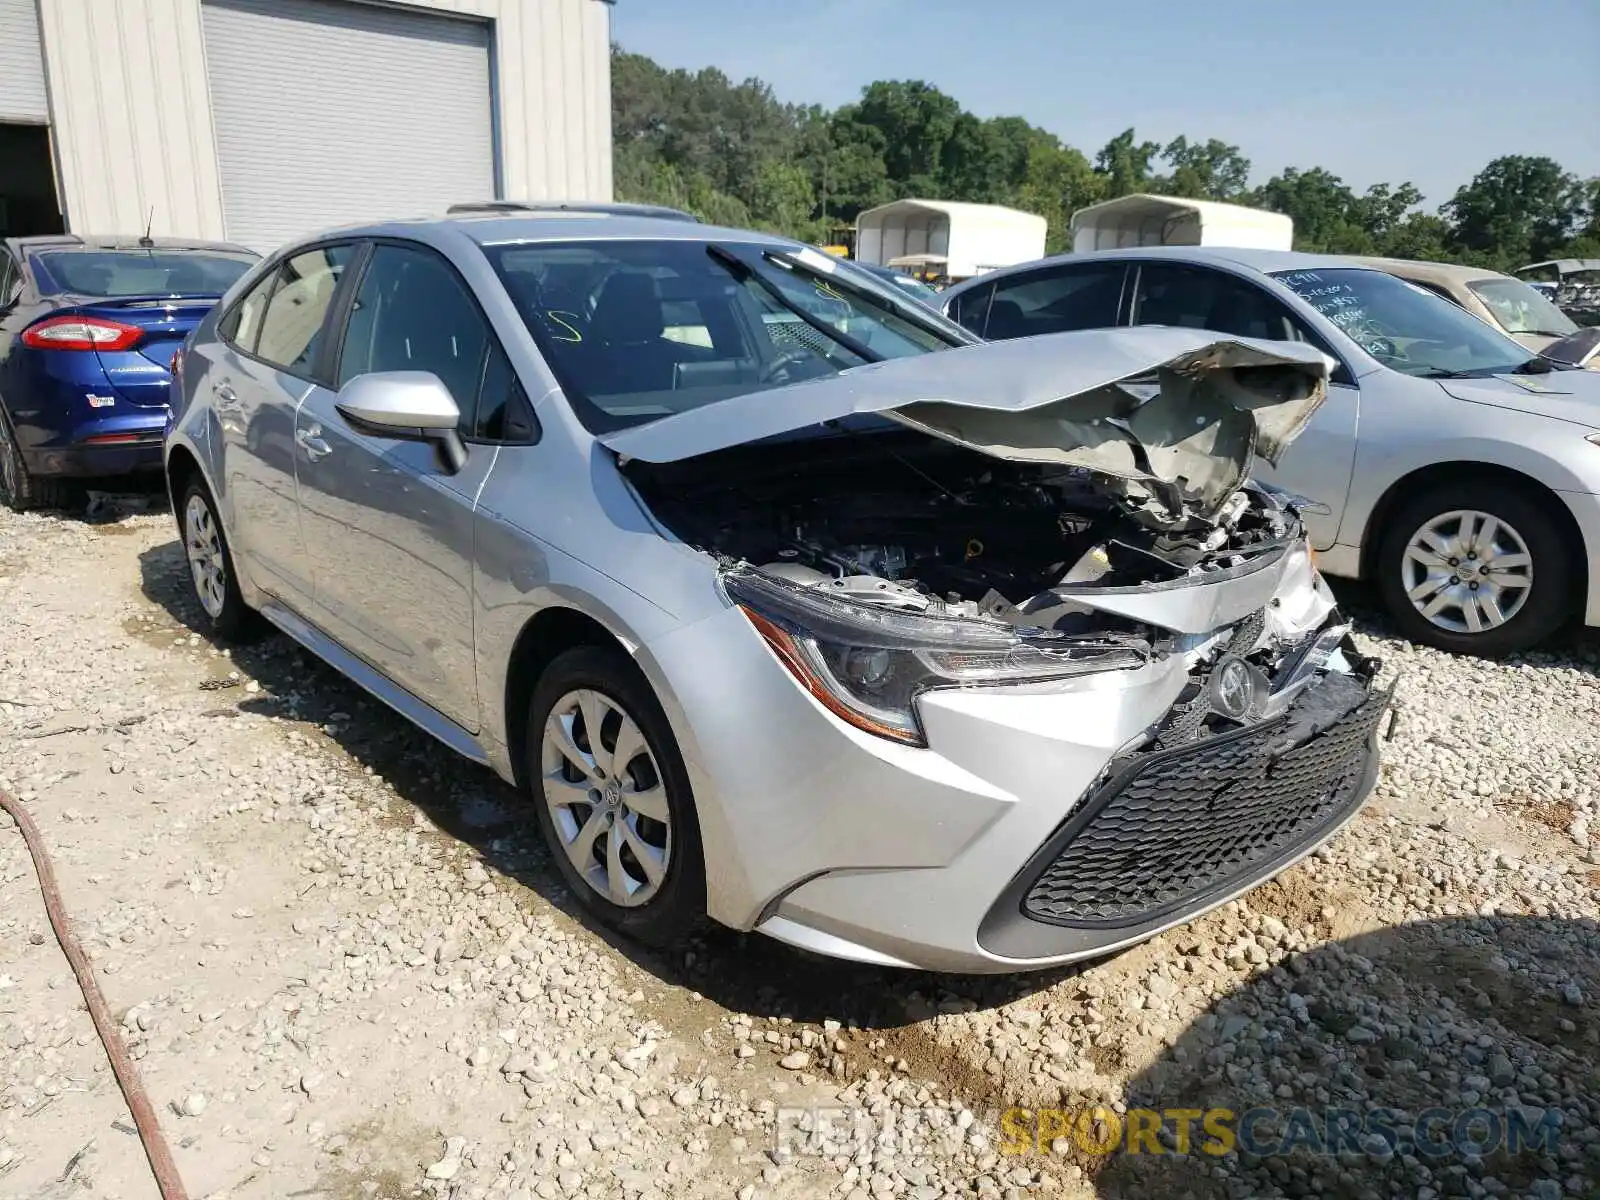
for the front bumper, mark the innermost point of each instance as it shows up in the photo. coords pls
(1167, 835)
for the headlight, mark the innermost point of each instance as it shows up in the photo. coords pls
(868, 665)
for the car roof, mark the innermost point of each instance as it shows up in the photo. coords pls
(76, 241)
(555, 225)
(1436, 272)
(1266, 261)
(615, 208)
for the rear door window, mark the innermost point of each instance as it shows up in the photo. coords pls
(1056, 299)
(296, 312)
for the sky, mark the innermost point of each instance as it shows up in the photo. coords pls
(1374, 90)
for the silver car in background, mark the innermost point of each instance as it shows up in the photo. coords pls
(1456, 469)
(787, 601)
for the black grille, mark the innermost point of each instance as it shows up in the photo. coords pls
(1179, 825)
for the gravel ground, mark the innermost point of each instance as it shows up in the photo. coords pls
(348, 970)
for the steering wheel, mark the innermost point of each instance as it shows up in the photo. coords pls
(777, 371)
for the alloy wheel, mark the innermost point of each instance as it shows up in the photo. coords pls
(203, 543)
(1467, 571)
(607, 797)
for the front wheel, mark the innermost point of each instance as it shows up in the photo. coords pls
(613, 797)
(1475, 569)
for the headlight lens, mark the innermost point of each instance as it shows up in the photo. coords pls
(867, 665)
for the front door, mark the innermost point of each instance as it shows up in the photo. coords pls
(389, 529)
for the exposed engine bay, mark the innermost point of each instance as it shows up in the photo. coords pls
(906, 521)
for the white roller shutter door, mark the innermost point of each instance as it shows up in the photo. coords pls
(22, 95)
(330, 112)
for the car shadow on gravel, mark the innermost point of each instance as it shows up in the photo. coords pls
(1483, 1027)
(740, 972)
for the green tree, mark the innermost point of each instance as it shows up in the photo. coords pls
(1059, 181)
(1518, 209)
(916, 120)
(1126, 164)
(1212, 170)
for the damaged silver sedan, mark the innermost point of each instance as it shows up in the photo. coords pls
(786, 603)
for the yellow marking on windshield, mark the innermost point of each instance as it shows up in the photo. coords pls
(559, 317)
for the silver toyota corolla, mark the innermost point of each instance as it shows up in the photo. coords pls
(788, 602)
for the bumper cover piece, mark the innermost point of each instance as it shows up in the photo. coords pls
(1175, 830)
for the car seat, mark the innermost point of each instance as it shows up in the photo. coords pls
(624, 336)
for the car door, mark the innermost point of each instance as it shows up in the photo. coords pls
(271, 340)
(388, 527)
(1318, 464)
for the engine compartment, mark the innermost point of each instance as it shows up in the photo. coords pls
(907, 520)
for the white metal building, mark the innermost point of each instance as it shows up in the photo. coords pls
(1145, 220)
(957, 238)
(258, 120)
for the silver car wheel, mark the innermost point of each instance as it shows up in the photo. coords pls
(607, 797)
(1467, 571)
(206, 563)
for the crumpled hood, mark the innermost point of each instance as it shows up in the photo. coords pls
(1564, 395)
(1169, 419)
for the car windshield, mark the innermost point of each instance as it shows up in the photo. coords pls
(638, 330)
(1403, 326)
(114, 273)
(1520, 309)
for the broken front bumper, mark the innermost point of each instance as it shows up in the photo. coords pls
(1156, 838)
(1174, 832)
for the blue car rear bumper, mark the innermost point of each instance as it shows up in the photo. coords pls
(86, 459)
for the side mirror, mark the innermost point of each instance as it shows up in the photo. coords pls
(412, 405)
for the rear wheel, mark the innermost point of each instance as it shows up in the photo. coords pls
(1475, 569)
(613, 797)
(205, 547)
(20, 489)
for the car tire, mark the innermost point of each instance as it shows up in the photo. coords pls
(20, 489)
(211, 569)
(604, 847)
(1427, 551)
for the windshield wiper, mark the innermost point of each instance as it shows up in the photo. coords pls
(744, 272)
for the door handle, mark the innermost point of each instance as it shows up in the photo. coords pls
(226, 396)
(309, 439)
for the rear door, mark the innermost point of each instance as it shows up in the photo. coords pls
(389, 530)
(272, 351)
(1319, 463)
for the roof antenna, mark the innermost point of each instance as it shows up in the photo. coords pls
(146, 241)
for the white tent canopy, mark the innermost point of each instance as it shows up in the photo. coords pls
(969, 238)
(1146, 220)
